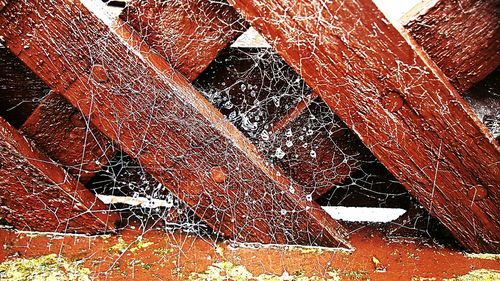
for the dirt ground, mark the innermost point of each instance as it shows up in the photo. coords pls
(157, 255)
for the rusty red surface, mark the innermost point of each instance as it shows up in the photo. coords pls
(189, 33)
(462, 37)
(60, 131)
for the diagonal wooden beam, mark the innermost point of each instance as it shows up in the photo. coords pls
(61, 131)
(134, 97)
(188, 33)
(38, 195)
(449, 46)
(462, 37)
(394, 97)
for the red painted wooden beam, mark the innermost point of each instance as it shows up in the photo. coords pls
(188, 33)
(134, 97)
(61, 131)
(38, 195)
(394, 97)
(462, 37)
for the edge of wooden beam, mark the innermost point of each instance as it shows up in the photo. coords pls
(38, 195)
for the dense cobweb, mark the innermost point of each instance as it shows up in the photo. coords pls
(292, 130)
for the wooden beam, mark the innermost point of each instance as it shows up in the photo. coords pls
(394, 97)
(461, 36)
(445, 48)
(162, 121)
(256, 90)
(190, 34)
(38, 195)
(61, 131)
(323, 154)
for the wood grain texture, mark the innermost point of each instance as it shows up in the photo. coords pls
(201, 31)
(461, 36)
(390, 93)
(324, 152)
(61, 131)
(162, 121)
(189, 33)
(38, 195)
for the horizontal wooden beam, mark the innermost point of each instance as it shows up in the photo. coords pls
(461, 36)
(38, 195)
(162, 121)
(394, 97)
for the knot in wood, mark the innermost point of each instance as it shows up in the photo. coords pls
(392, 102)
(477, 193)
(218, 174)
(99, 73)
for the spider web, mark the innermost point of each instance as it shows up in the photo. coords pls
(257, 91)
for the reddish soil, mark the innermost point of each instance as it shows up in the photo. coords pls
(174, 256)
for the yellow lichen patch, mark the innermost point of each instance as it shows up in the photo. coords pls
(141, 244)
(483, 256)
(119, 247)
(162, 251)
(356, 275)
(228, 271)
(478, 275)
(49, 267)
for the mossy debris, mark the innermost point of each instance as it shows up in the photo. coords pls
(49, 267)
(478, 275)
(228, 271)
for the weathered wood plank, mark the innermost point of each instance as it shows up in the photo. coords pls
(38, 195)
(461, 36)
(255, 89)
(162, 121)
(323, 153)
(306, 174)
(391, 94)
(190, 41)
(189, 33)
(60, 131)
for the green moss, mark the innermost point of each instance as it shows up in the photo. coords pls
(228, 271)
(478, 275)
(49, 267)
